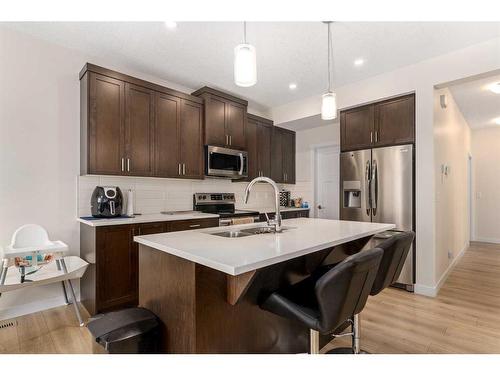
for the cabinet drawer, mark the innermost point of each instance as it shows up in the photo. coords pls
(152, 228)
(176, 226)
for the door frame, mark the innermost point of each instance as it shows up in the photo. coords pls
(314, 161)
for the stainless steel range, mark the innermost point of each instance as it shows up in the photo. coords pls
(223, 205)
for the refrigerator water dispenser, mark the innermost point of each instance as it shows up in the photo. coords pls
(352, 199)
(352, 194)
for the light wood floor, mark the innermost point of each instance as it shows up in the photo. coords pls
(463, 318)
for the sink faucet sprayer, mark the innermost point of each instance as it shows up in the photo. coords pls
(276, 222)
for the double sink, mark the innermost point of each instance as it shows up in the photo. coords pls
(248, 232)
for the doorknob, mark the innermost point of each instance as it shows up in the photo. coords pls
(319, 207)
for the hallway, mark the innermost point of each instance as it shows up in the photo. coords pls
(463, 318)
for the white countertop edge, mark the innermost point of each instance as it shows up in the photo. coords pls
(235, 271)
(146, 218)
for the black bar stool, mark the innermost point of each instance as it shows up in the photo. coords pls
(326, 300)
(396, 250)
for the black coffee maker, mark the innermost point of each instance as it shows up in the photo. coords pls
(106, 201)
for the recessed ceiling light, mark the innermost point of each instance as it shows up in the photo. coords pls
(292, 86)
(170, 24)
(497, 121)
(359, 62)
(495, 88)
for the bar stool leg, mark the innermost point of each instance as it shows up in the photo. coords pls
(313, 342)
(73, 297)
(355, 334)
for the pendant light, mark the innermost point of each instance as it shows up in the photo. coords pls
(329, 100)
(245, 62)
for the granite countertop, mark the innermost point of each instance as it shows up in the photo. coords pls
(235, 256)
(147, 218)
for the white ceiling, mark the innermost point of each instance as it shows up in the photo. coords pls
(201, 53)
(477, 103)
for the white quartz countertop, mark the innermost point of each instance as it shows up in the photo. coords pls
(235, 256)
(148, 218)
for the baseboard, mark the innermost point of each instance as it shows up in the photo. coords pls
(485, 239)
(432, 291)
(450, 267)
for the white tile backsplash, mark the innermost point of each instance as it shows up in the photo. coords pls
(153, 195)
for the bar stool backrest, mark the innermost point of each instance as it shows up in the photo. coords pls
(395, 250)
(342, 292)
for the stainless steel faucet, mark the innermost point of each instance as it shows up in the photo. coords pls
(276, 222)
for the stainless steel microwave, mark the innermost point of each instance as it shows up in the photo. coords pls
(225, 162)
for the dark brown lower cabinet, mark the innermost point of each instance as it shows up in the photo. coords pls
(111, 280)
(287, 214)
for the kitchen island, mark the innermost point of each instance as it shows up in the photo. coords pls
(206, 287)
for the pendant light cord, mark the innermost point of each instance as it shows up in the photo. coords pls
(329, 56)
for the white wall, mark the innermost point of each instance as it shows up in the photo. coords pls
(421, 79)
(486, 173)
(39, 147)
(452, 145)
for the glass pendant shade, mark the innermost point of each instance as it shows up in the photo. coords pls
(329, 106)
(245, 65)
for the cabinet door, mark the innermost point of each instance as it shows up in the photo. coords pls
(395, 121)
(215, 124)
(139, 130)
(288, 145)
(264, 135)
(179, 225)
(356, 128)
(117, 267)
(106, 125)
(191, 139)
(167, 129)
(253, 146)
(277, 173)
(236, 118)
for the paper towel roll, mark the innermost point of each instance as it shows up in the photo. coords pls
(130, 203)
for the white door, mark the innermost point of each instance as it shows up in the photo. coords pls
(327, 182)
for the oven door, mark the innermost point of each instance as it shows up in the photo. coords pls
(225, 162)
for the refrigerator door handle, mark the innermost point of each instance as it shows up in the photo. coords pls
(374, 187)
(368, 189)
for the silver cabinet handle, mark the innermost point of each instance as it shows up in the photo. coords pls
(123, 165)
(371, 137)
(227, 139)
(195, 225)
(179, 169)
(230, 140)
(376, 136)
(183, 168)
(128, 165)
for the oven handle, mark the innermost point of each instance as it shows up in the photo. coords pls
(224, 222)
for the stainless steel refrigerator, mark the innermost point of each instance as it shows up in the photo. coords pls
(377, 185)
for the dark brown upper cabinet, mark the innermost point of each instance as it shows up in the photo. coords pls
(356, 128)
(283, 155)
(191, 139)
(258, 136)
(225, 118)
(385, 123)
(102, 122)
(137, 128)
(395, 121)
